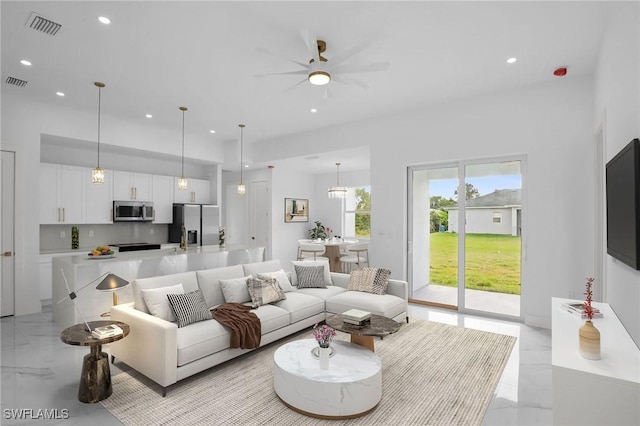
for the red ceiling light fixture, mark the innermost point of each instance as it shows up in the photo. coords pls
(560, 72)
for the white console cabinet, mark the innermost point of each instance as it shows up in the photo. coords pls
(594, 392)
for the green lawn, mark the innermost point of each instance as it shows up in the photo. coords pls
(492, 261)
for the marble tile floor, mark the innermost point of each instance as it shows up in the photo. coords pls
(38, 371)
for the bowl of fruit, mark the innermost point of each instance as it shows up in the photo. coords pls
(101, 251)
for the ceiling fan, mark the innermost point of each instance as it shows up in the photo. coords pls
(320, 71)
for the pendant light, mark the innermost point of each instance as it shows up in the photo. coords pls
(337, 191)
(97, 174)
(241, 188)
(182, 181)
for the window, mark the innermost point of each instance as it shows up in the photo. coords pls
(357, 213)
(497, 217)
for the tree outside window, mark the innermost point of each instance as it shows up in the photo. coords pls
(357, 217)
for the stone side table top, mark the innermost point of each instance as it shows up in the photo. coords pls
(379, 326)
(77, 335)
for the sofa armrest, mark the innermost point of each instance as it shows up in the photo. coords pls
(151, 346)
(399, 288)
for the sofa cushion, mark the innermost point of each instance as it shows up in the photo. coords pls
(209, 283)
(386, 305)
(322, 293)
(281, 277)
(261, 267)
(188, 280)
(324, 263)
(300, 305)
(158, 303)
(189, 307)
(310, 276)
(201, 339)
(370, 280)
(264, 291)
(235, 290)
(272, 318)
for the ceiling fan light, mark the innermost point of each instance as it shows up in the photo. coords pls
(319, 78)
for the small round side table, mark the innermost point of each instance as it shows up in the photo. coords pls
(95, 379)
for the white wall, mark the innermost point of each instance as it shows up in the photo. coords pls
(617, 104)
(550, 123)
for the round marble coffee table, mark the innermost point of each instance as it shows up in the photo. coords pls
(351, 387)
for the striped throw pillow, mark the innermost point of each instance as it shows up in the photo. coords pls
(310, 276)
(370, 280)
(189, 307)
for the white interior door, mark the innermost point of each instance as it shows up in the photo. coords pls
(260, 219)
(7, 173)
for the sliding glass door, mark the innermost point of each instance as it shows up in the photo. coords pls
(465, 230)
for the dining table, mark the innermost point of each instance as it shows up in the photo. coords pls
(332, 251)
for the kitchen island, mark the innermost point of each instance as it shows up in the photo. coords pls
(80, 270)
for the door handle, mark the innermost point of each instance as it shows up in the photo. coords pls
(63, 215)
(7, 253)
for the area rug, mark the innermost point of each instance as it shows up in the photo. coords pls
(432, 374)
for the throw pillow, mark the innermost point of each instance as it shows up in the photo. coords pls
(235, 290)
(264, 291)
(157, 303)
(310, 276)
(323, 263)
(189, 307)
(281, 278)
(369, 280)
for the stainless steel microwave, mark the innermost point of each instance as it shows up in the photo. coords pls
(133, 211)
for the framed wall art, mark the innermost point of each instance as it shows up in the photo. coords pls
(296, 210)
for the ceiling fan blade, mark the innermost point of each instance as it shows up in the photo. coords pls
(350, 80)
(348, 69)
(311, 41)
(265, 51)
(300, 72)
(294, 86)
(340, 57)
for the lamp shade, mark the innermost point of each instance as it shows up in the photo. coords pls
(112, 282)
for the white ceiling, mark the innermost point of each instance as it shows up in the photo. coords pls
(156, 56)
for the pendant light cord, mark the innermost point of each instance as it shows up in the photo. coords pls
(182, 170)
(338, 174)
(99, 102)
(241, 149)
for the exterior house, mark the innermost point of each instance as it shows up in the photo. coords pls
(496, 213)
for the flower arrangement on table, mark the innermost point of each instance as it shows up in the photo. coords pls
(319, 232)
(588, 310)
(324, 335)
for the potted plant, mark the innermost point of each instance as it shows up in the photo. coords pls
(319, 232)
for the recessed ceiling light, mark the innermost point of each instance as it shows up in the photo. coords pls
(511, 60)
(25, 62)
(212, 131)
(60, 94)
(148, 115)
(104, 20)
(314, 110)
(246, 165)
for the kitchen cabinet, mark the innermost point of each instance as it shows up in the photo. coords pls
(132, 186)
(98, 198)
(198, 191)
(61, 194)
(162, 199)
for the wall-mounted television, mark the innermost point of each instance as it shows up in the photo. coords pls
(623, 205)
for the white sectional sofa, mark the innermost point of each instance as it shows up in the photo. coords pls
(166, 354)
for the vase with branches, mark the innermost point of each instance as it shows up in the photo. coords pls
(589, 335)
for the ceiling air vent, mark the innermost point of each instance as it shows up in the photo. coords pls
(16, 82)
(42, 24)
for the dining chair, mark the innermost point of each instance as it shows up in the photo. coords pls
(311, 251)
(357, 254)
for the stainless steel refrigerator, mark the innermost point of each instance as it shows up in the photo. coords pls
(201, 224)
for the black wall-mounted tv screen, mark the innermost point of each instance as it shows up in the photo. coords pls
(623, 205)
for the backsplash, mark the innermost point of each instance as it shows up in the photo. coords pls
(54, 237)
